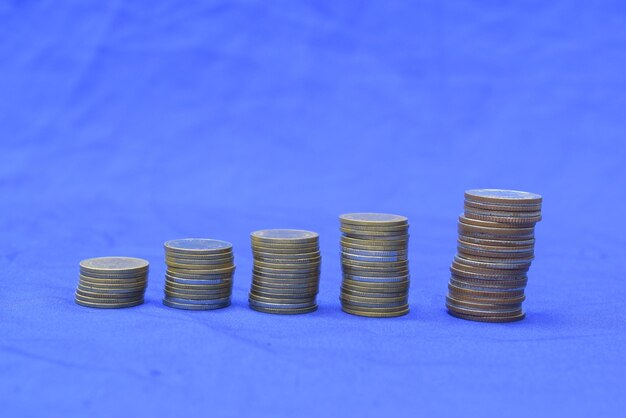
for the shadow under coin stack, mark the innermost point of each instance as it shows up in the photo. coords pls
(112, 282)
(199, 274)
(495, 250)
(375, 266)
(286, 273)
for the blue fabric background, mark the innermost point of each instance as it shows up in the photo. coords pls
(124, 124)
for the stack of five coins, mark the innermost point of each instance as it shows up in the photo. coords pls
(286, 273)
(199, 273)
(494, 253)
(375, 265)
(112, 282)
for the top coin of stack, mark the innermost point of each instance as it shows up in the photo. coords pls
(112, 282)
(374, 261)
(199, 273)
(495, 251)
(286, 274)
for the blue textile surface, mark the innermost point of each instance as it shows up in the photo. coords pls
(124, 124)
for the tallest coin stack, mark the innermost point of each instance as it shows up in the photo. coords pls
(495, 249)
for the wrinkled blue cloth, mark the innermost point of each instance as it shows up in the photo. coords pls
(125, 124)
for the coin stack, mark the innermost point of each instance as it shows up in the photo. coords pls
(199, 273)
(374, 261)
(495, 250)
(286, 273)
(112, 282)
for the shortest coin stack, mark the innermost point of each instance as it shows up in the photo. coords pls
(112, 282)
(375, 265)
(494, 252)
(199, 274)
(286, 273)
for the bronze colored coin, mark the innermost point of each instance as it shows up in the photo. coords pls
(288, 266)
(498, 217)
(503, 196)
(117, 297)
(488, 301)
(284, 256)
(278, 260)
(380, 219)
(198, 288)
(376, 245)
(470, 273)
(494, 233)
(295, 297)
(374, 233)
(195, 307)
(494, 249)
(134, 280)
(308, 281)
(178, 275)
(258, 287)
(311, 287)
(370, 314)
(192, 257)
(205, 267)
(110, 290)
(495, 265)
(376, 287)
(187, 272)
(388, 310)
(377, 228)
(193, 297)
(483, 312)
(108, 305)
(372, 259)
(384, 275)
(489, 285)
(299, 311)
(199, 261)
(198, 246)
(515, 272)
(291, 236)
(404, 264)
(122, 276)
(471, 292)
(470, 204)
(285, 251)
(502, 243)
(374, 300)
(291, 277)
(347, 292)
(513, 318)
(495, 258)
(400, 254)
(378, 237)
(467, 303)
(114, 265)
(103, 299)
(279, 301)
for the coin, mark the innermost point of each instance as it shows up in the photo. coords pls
(503, 196)
(292, 236)
(114, 265)
(203, 246)
(193, 306)
(378, 219)
(372, 314)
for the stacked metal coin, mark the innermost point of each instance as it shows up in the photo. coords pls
(199, 273)
(112, 282)
(286, 273)
(374, 261)
(495, 250)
